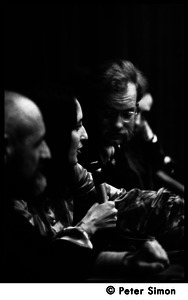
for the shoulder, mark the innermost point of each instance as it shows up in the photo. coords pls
(79, 172)
(82, 178)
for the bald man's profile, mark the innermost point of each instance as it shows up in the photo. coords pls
(25, 155)
(25, 147)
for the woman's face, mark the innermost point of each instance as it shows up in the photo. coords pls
(78, 134)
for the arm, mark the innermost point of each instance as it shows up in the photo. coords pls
(149, 259)
(149, 213)
(99, 216)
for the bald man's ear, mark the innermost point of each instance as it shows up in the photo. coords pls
(8, 149)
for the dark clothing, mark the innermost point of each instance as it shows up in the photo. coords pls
(141, 213)
(30, 257)
(38, 249)
(134, 165)
(130, 167)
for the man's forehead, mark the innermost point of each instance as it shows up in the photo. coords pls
(120, 103)
(24, 118)
(128, 98)
(28, 108)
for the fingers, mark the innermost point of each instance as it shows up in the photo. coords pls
(153, 267)
(103, 206)
(107, 222)
(109, 207)
(106, 210)
(108, 204)
(101, 216)
(150, 258)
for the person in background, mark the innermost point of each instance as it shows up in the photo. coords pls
(146, 146)
(115, 100)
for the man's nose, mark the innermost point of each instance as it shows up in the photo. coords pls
(118, 122)
(46, 151)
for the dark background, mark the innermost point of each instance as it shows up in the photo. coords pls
(45, 43)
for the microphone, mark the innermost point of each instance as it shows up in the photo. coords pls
(99, 181)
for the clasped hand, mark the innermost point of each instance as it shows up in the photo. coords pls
(151, 257)
(100, 216)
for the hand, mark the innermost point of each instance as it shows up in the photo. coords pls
(147, 132)
(143, 128)
(150, 258)
(100, 216)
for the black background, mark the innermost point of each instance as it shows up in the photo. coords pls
(45, 43)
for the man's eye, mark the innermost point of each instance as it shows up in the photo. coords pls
(109, 114)
(127, 114)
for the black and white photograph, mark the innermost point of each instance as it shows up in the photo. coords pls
(94, 149)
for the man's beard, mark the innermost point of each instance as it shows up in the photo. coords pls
(128, 136)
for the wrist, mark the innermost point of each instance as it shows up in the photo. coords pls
(86, 228)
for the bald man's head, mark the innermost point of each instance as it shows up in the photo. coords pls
(20, 115)
(25, 148)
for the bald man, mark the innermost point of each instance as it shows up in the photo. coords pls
(25, 154)
(26, 151)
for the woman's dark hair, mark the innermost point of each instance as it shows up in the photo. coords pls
(59, 109)
(60, 118)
